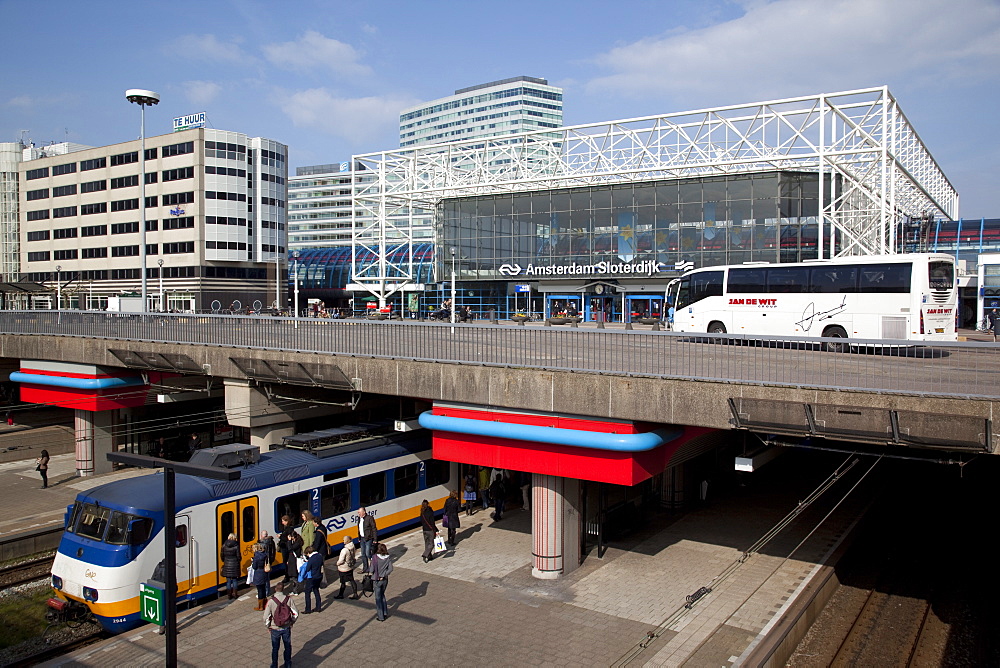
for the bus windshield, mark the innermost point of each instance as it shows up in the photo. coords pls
(941, 275)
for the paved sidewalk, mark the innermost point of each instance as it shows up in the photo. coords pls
(479, 603)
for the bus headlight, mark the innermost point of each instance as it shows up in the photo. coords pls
(56, 582)
(89, 594)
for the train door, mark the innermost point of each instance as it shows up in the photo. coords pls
(239, 518)
(187, 578)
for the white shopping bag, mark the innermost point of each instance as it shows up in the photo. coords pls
(439, 545)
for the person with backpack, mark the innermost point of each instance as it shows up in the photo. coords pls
(279, 616)
(346, 562)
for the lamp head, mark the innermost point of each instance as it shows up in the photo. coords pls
(58, 268)
(159, 262)
(142, 97)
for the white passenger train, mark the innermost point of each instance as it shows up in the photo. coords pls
(114, 533)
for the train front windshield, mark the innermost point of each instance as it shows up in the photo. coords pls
(106, 525)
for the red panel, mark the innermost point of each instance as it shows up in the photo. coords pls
(85, 400)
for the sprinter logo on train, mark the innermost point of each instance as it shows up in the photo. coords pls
(642, 268)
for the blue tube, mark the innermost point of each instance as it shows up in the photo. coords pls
(74, 383)
(553, 435)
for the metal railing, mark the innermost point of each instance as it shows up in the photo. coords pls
(886, 366)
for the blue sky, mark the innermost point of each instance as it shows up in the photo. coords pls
(329, 78)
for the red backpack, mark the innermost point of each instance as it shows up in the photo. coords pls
(282, 616)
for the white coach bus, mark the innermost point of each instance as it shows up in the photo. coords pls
(907, 296)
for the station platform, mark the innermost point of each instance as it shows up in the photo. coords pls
(479, 603)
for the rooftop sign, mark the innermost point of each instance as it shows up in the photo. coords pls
(190, 121)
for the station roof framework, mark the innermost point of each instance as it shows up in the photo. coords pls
(886, 173)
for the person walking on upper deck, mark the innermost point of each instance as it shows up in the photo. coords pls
(346, 562)
(42, 466)
(232, 568)
(429, 528)
(381, 568)
(368, 534)
(452, 506)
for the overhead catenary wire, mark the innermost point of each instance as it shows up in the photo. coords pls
(702, 592)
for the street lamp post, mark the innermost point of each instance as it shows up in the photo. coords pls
(453, 304)
(295, 315)
(143, 98)
(159, 263)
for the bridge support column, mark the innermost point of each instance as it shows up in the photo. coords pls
(94, 439)
(672, 487)
(555, 526)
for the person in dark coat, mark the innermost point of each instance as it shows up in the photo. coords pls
(42, 465)
(269, 548)
(319, 543)
(311, 574)
(452, 506)
(499, 494)
(367, 535)
(261, 574)
(232, 568)
(994, 318)
(290, 546)
(429, 528)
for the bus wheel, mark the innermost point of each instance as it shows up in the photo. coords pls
(716, 328)
(836, 333)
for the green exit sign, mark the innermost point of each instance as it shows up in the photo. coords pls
(151, 603)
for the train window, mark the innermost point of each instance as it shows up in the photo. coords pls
(118, 528)
(335, 499)
(74, 515)
(406, 479)
(292, 505)
(93, 521)
(180, 536)
(227, 525)
(249, 524)
(438, 472)
(372, 488)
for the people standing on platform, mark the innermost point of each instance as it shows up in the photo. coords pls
(290, 546)
(452, 506)
(310, 575)
(368, 534)
(498, 493)
(484, 485)
(193, 443)
(469, 495)
(346, 562)
(525, 491)
(280, 633)
(42, 466)
(319, 543)
(232, 569)
(307, 529)
(381, 568)
(429, 528)
(261, 573)
(267, 542)
(994, 320)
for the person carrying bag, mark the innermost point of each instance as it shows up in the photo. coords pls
(381, 568)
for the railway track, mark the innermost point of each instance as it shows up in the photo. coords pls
(25, 572)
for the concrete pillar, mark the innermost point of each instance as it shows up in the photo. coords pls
(268, 436)
(555, 526)
(672, 487)
(94, 439)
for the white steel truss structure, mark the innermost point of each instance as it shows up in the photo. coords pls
(875, 169)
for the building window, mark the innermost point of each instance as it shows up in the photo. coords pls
(150, 154)
(33, 174)
(64, 212)
(64, 233)
(124, 228)
(68, 254)
(124, 158)
(38, 256)
(151, 201)
(185, 222)
(150, 177)
(93, 186)
(124, 251)
(96, 163)
(68, 168)
(178, 149)
(38, 235)
(179, 247)
(99, 207)
(63, 191)
(125, 274)
(94, 231)
(178, 198)
(152, 225)
(125, 204)
(178, 174)
(42, 193)
(42, 214)
(94, 253)
(125, 181)
(152, 249)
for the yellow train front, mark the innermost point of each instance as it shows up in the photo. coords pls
(114, 533)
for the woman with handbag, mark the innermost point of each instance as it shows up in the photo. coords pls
(346, 562)
(261, 574)
(429, 528)
(42, 466)
(452, 506)
(380, 568)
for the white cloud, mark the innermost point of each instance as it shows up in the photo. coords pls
(208, 47)
(201, 92)
(357, 120)
(313, 50)
(792, 47)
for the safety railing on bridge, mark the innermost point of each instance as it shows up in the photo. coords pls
(967, 369)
